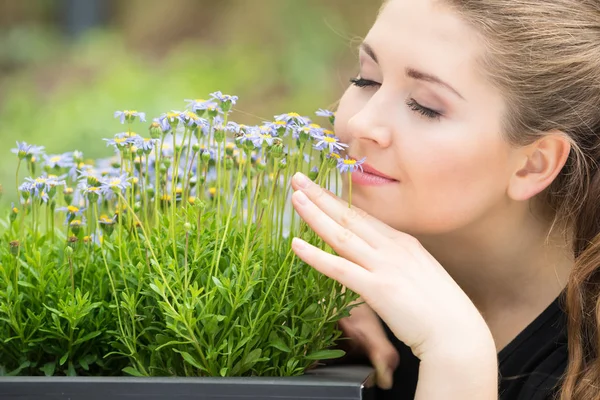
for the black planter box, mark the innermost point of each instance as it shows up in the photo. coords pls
(328, 383)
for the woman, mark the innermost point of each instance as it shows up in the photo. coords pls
(476, 211)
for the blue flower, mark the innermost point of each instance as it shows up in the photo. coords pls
(325, 113)
(27, 189)
(25, 150)
(311, 130)
(227, 101)
(72, 212)
(169, 120)
(145, 144)
(59, 160)
(130, 115)
(192, 120)
(114, 184)
(45, 183)
(350, 164)
(330, 142)
(293, 118)
(122, 140)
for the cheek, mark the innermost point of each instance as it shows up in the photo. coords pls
(452, 183)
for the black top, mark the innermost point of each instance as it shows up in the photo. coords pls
(530, 366)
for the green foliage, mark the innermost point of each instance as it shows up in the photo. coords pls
(167, 273)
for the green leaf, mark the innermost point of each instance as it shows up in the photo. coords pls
(325, 354)
(278, 343)
(190, 359)
(26, 284)
(223, 371)
(63, 359)
(132, 371)
(49, 368)
(251, 358)
(24, 364)
(87, 337)
(309, 311)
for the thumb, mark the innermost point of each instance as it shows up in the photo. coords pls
(385, 361)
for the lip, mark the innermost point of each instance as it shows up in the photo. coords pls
(369, 176)
(370, 170)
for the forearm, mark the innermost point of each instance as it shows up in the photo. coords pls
(460, 374)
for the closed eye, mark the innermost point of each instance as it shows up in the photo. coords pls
(426, 112)
(360, 82)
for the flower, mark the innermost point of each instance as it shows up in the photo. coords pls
(293, 118)
(115, 184)
(330, 142)
(145, 144)
(72, 212)
(227, 101)
(350, 164)
(25, 150)
(169, 120)
(122, 140)
(130, 115)
(59, 160)
(325, 113)
(192, 120)
(45, 183)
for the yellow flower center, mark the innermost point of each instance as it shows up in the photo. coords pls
(120, 140)
(350, 162)
(212, 190)
(115, 182)
(192, 200)
(75, 222)
(192, 115)
(73, 209)
(329, 139)
(316, 126)
(15, 210)
(40, 180)
(279, 123)
(293, 114)
(334, 155)
(55, 159)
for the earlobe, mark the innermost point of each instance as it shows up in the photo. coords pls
(540, 164)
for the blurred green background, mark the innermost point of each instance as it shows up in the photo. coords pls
(67, 65)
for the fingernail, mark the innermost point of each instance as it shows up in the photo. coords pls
(298, 244)
(301, 179)
(301, 198)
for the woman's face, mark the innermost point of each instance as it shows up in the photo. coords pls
(426, 117)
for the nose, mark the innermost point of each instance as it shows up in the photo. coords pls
(373, 122)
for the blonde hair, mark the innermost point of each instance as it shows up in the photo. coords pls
(544, 56)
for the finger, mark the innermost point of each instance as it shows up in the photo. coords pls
(358, 221)
(385, 359)
(342, 240)
(345, 272)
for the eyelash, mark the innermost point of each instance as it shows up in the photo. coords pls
(411, 103)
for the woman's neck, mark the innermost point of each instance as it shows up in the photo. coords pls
(508, 265)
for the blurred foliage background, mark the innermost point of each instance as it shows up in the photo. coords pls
(67, 65)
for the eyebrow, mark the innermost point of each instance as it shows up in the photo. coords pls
(413, 73)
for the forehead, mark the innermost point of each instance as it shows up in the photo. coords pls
(424, 34)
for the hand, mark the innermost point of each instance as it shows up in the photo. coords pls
(392, 272)
(367, 335)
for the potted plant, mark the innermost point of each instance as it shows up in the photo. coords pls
(172, 258)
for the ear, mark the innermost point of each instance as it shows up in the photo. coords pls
(538, 165)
